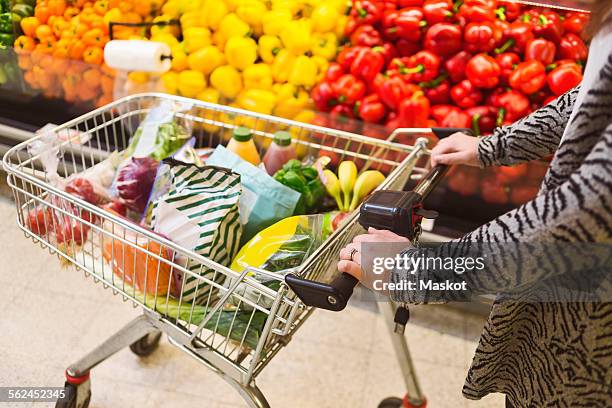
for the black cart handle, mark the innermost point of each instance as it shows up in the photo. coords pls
(335, 295)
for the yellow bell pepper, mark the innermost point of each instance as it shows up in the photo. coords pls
(293, 6)
(298, 135)
(171, 8)
(191, 83)
(296, 36)
(209, 95)
(282, 66)
(226, 79)
(212, 13)
(213, 96)
(322, 65)
(303, 72)
(324, 45)
(274, 21)
(324, 18)
(206, 59)
(179, 57)
(169, 28)
(191, 19)
(196, 38)
(252, 12)
(170, 80)
(340, 26)
(232, 26)
(291, 101)
(241, 52)
(269, 46)
(165, 38)
(257, 100)
(257, 76)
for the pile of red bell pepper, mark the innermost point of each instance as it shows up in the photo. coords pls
(468, 63)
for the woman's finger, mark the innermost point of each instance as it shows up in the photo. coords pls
(351, 268)
(387, 233)
(450, 158)
(345, 253)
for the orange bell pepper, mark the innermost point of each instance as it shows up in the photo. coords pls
(42, 13)
(94, 37)
(24, 44)
(29, 26)
(93, 55)
(56, 7)
(43, 31)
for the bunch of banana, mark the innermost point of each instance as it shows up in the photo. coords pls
(348, 188)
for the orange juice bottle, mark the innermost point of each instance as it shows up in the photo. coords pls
(242, 144)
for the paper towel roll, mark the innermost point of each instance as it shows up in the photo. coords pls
(138, 55)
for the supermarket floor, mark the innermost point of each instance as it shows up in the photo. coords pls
(52, 316)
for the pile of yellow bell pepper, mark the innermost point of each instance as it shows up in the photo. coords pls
(264, 56)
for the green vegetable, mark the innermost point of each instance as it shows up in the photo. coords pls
(31, 3)
(6, 23)
(305, 180)
(6, 40)
(170, 137)
(23, 10)
(5, 6)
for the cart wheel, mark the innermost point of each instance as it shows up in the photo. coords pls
(73, 394)
(391, 402)
(146, 345)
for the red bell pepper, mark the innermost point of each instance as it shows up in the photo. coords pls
(347, 55)
(509, 11)
(324, 96)
(409, 3)
(512, 105)
(439, 112)
(404, 23)
(367, 64)
(455, 66)
(366, 12)
(529, 77)
(438, 11)
(406, 48)
(443, 39)
(388, 51)
(366, 35)
(349, 89)
(371, 109)
(548, 25)
(572, 47)
(564, 78)
(334, 71)
(541, 50)
(516, 37)
(466, 95)
(340, 118)
(478, 10)
(483, 119)
(575, 22)
(392, 90)
(483, 71)
(437, 90)
(482, 37)
(414, 111)
(455, 118)
(507, 62)
(422, 67)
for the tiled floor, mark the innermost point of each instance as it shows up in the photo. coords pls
(52, 316)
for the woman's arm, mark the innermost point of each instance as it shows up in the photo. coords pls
(531, 138)
(551, 235)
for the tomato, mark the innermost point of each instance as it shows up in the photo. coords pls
(83, 189)
(39, 220)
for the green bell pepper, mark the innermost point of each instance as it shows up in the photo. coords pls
(5, 5)
(6, 40)
(23, 10)
(6, 23)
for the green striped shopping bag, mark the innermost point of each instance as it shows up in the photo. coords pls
(200, 212)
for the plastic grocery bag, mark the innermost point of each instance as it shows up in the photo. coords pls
(264, 200)
(200, 213)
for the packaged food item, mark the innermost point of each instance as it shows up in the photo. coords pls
(280, 152)
(284, 246)
(138, 268)
(161, 133)
(200, 212)
(242, 144)
(264, 200)
(135, 180)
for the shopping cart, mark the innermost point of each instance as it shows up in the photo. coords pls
(242, 324)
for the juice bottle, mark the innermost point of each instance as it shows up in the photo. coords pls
(280, 152)
(242, 144)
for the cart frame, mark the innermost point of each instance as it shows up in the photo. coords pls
(226, 351)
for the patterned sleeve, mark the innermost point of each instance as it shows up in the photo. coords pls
(533, 137)
(553, 234)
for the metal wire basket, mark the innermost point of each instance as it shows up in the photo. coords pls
(242, 323)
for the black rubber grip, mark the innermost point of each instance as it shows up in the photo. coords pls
(441, 133)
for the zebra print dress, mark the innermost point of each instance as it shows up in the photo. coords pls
(547, 354)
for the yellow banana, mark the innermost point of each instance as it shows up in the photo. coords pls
(332, 185)
(366, 182)
(347, 173)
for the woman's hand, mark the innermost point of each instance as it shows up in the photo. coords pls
(458, 148)
(350, 256)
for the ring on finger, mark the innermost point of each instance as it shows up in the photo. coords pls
(353, 252)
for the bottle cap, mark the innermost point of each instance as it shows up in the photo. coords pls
(282, 138)
(242, 134)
